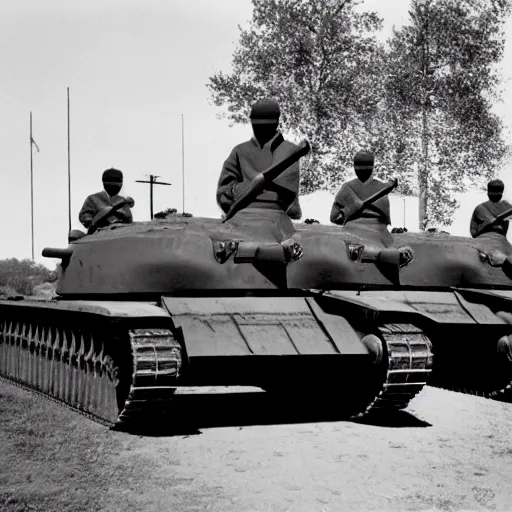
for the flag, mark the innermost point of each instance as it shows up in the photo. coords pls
(34, 142)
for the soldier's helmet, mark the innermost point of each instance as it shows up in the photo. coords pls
(265, 111)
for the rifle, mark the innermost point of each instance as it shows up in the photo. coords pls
(491, 223)
(103, 214)
(262, 180)
(345, 217)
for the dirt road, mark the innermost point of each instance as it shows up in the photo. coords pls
(245, 453)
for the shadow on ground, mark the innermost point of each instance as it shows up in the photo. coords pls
(393, 419)
(192, 413)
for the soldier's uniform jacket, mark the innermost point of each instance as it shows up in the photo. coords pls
(97, 202)
(249, 159)
(353, 193)
(487, 212)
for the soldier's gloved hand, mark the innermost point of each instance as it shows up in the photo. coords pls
(340, 219)
(130, 202)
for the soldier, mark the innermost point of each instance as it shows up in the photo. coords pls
(103, 201)
(347, 208)
(488, 211)
(250, 158)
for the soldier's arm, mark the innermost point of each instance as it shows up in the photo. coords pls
(336, 210)
(294, 211)
(125, 214)
(505, 227)
(230, 177)
(287, 186)
(475, 223)
(87, 212)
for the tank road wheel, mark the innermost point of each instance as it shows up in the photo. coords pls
(480, 367)
(504, 350)
(399, 366)
(114, 375)
(402, 363)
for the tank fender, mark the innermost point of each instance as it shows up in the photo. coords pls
(128, 310)
(450, 307)
(499, 301)
(261, 326)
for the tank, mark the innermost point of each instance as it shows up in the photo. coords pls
(149, 309)
(457, 290)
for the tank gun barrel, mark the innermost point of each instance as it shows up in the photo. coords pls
(52, 252)
(260, 182)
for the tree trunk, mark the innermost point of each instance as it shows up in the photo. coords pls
(423, 171)
(424, 167)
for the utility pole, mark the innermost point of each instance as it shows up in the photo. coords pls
(152, 181)
(69, 173)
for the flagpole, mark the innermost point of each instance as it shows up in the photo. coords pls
(183, 161)
(69, 172)
(31, 188)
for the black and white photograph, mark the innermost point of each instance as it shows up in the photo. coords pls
(255, 255)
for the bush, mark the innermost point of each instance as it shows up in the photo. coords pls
(170, 213)
(21, 276)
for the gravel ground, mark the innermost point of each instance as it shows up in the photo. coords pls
(243, 452)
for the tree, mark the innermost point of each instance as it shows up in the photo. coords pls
(320, 59)
(21, 276)
(422, 102)
(442, 81)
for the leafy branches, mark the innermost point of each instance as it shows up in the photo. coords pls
(442, 80)
(315, 58)
(422, 102)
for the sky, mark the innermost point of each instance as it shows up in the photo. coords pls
(134, 68)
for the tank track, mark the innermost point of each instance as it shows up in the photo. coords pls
(501, 395)
(409, 365)
(76, 369)
(486, 378)
(73, 368)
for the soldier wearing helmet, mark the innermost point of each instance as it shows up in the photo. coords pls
(488, 211)
(347, 208)
(106, 199)
(250, 158)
